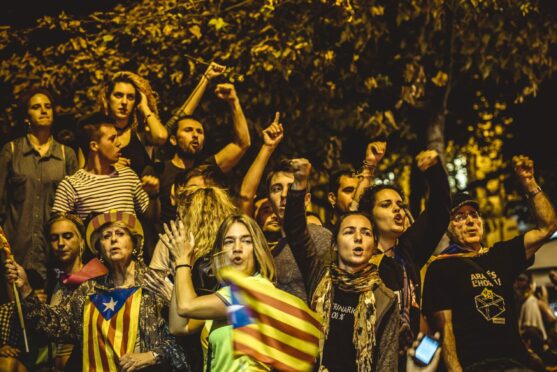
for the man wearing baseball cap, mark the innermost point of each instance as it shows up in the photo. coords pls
(468, 290)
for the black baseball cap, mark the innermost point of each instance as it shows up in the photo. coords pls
(463, 198)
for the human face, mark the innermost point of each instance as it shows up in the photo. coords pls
(122, 100)
(266, 218)
(65, 241)
(388, 213)
(237, 246)
(280, 183)
(345, 193)
(190, 137)
(39, 111)
(108, 145)
(355, 243)
(466, 227)
(116, 244)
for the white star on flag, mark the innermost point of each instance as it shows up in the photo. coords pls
(109, 305)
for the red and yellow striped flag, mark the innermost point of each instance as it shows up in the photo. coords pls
(110, 323)
(272, 326)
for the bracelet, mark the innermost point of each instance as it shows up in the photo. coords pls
(534, 192)
(182, 265)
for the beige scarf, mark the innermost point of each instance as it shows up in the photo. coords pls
(363, 282)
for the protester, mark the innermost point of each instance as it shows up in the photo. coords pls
(129, 100)
(361, 319)
(239, 244)
(116, 302)
(403, 247)
(469, 296)
(289, 278)
(86, 191)
(187, 137)
(30, 169)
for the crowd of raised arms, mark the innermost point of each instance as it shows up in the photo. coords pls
(112, 258)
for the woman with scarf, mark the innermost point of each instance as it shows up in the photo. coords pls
(360, 313)
(118, 323)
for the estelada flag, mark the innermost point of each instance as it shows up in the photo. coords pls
(270, 325)
(110, 323)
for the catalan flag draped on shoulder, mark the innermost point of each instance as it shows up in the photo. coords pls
(110, 324)
(270, 325)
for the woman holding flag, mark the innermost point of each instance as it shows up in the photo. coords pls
(361, 319)
(117, 323)
(239, 244)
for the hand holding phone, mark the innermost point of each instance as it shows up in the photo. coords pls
(424, 354)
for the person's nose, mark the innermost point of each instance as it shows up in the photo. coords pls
(60, 241)
(237, 248)
(358, 236)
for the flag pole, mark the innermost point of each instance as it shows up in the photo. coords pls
(6, 246)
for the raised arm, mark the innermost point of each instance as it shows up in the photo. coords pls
(231, 154)
(188, 303)
(374, 153)
(544, 213)
(156, 132)
(423, 236)
(296, 230)
(191, 103)
(272, 135)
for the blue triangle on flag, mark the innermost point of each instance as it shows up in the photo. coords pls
(110, 302)
(238, 313)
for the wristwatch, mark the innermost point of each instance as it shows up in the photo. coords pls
(535, 191)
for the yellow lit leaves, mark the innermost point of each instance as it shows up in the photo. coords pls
(195, 31)
(440, 79)
(218, 23)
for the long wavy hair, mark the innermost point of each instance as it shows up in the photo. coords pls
(202, 212)
(137, 121)
(264, 262)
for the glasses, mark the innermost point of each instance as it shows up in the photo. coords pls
(460, 217)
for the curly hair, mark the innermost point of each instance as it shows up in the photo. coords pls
(141, 85)
(202, 211)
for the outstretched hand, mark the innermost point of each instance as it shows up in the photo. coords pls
(427, 159)
(411, 365)
(273, 134)
(179, 243)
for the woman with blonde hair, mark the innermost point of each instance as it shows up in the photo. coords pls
(239, 244)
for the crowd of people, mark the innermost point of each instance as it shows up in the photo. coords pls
(112, 253)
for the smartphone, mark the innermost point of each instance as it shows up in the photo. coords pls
(553, 306)
(426, 350)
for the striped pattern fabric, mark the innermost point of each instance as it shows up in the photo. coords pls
(106, 340)
(83, 193)
(272, 326)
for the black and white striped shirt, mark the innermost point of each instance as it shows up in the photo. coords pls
(84, 192)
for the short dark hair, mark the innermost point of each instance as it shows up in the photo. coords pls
(367, 201)
(88, 129)
(26, 97)
(183, 117)
(334, 179)
(283, 166)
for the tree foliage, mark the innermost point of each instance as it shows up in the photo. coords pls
(332, 67)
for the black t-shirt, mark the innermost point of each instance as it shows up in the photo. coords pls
(339, 353)
(167, 174)
(479, 292)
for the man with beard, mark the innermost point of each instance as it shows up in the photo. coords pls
(188, 137)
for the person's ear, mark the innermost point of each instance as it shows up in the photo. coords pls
(172, 140)
(307, 200)
(93, 146)
(332, 199)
